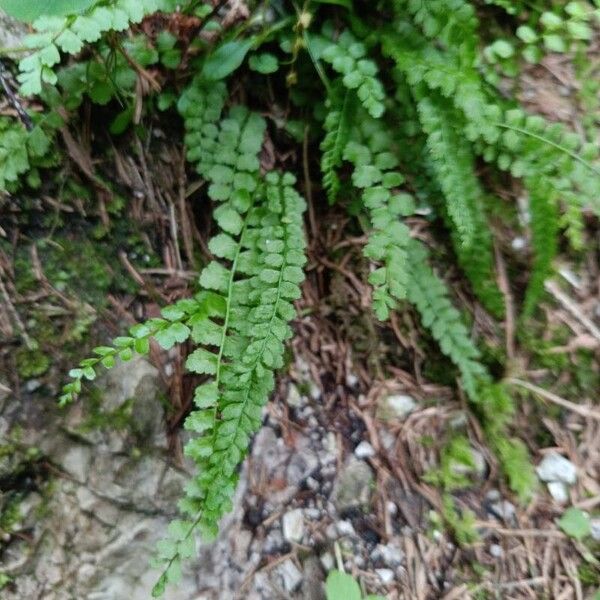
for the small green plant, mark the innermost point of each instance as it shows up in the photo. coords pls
(575, 523)
(404, 122)
(341, 586)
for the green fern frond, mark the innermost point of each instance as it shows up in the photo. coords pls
(69, 34)
(544, 224)
(451, 21)
(453, 165)
(376, 174)
(347, 56)
(338, 125)
(430, 297)
(201, 105)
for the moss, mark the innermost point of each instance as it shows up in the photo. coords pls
(31, 362)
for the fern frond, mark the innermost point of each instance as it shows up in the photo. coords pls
(453, 164)
(376, 174)
(70, 33)
(544, 224)
(430, 297)
(251, 286)
(201, 105)
(338, 125)
(347, 57)
(450, 21)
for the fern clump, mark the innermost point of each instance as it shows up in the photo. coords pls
(398, 111)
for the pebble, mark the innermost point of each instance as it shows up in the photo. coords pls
(293, 525)
(496, 551)
(555, 467)
(294, 398)
(391, 555)
(391, 508)
(397, 406)
(503, 510)
(327, 561)
(559, 491)
(386, 575)
(364, 450)
(290, 575)
(595, 529)
(345, 528)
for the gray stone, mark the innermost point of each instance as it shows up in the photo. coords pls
(595, 529)
(391, 555)
(12, 31)
(345, 528)
(294, 398)
(555, 467)
(496, 551)
(291, 576)
(504, 510)
(396, 406)
(353, 485)
(292, 525)
(386, 575)
(76, 462)
(364, 450)
(327, 561)
(559, 491)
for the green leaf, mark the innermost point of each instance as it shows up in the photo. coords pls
(575, 523)
(202, 361)
(175, 333)
(341, 586)
(30, 10)
(264, 63)
(226, 59)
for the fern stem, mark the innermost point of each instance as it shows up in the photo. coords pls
(541, 138)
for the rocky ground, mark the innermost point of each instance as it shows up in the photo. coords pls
(93, 492)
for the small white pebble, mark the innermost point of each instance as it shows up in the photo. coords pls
(364, 450)
(386, 575)
(496, 551)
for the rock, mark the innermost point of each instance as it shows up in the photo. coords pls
(327, 561)
(559, 491)
(396, 406)
(294, 399)
(12, 31)
(364, 450)
(291, 576)
(386, 575)
(496, 551)
(352, 487)
(345, 528)
(555, 467)
(292, 525)
(312, 582)
(595, 529)
(391, 555)
(76, 462)
(504, 510)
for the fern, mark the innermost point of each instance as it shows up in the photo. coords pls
(430, 297)
(23, 151)
(338, 125)
(201, 105)
(69, 34)
(347, 57)
(453, 165)
(544, 240)
(376, 175)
